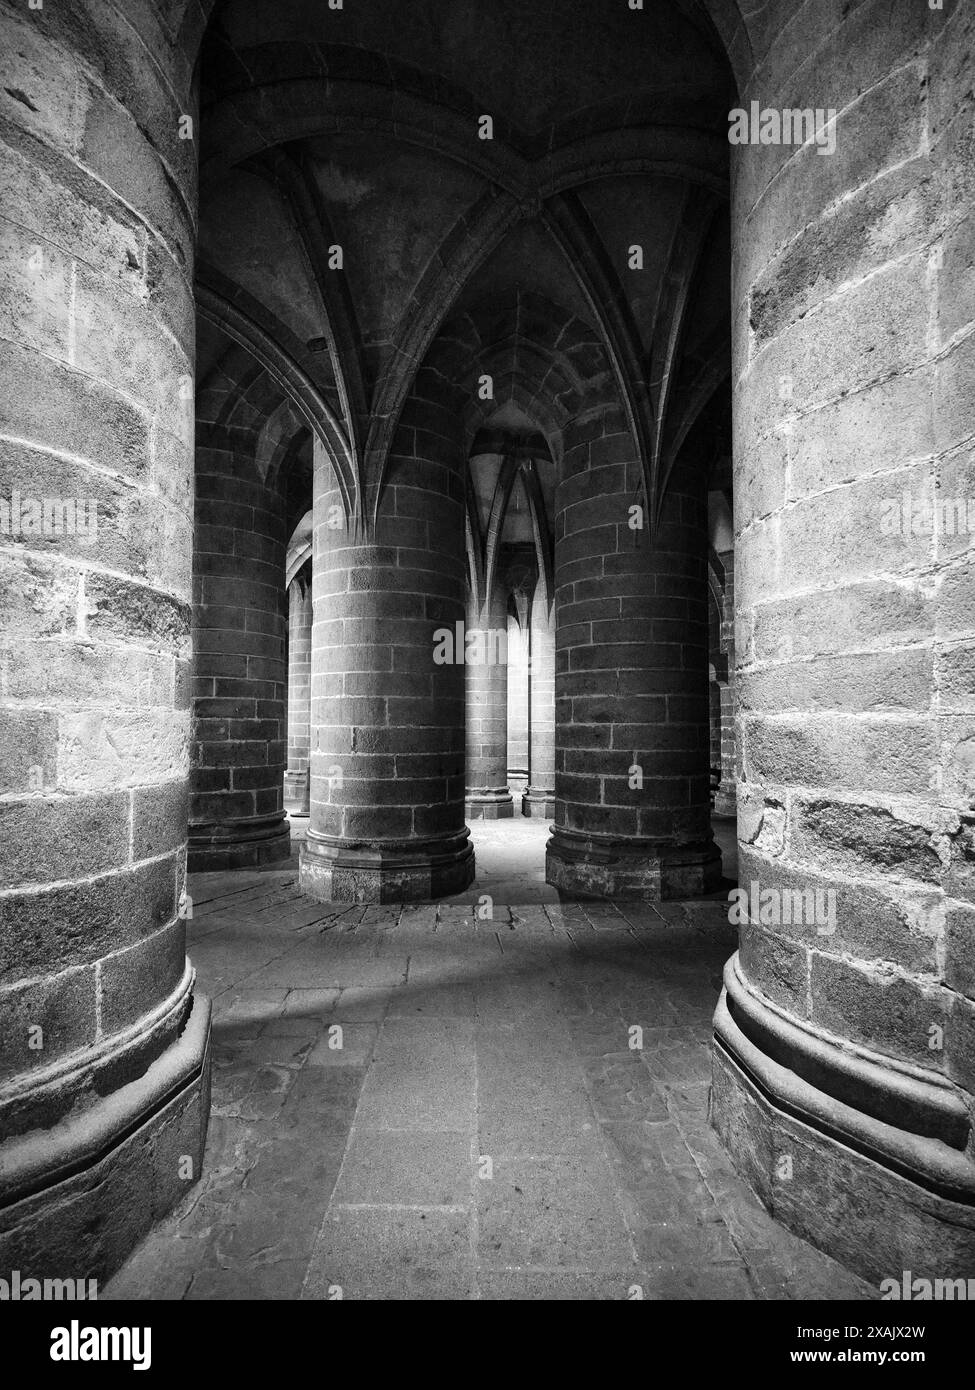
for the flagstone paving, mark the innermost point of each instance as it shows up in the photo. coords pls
(500, 1096)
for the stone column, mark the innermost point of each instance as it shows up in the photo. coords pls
(725, 801)
(237, 815)
(299, 694)
(488, 796)
(714, 709)
(518, 679)
(387, 703)
(104, 1070)
(844, 1065)
(632, 777)
(539, 798)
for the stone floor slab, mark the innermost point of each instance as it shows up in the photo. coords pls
(407, 1168)
(378, 1253)
(518, 1109)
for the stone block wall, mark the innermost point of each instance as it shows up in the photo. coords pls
(240, 671)
(299, 693)
(539, 798)
(725, 802)
(518, 677)
(631, 684)
(486, 713)
(388, 727)
(99, 1020)
(854, 302)
(715, 659)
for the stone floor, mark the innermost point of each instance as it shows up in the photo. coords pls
(428, 1102)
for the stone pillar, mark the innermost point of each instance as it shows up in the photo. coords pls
(104, 1062)
(632, 775)
(725, 801)
(714, 711)
(237, 815)
(488, 796)
(387, 702)
(844, 1065)
(539, 798)
(518, 678)
(299, 694)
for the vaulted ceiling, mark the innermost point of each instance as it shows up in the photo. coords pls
(359, 128)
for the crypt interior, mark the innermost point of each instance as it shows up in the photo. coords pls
(493, 569)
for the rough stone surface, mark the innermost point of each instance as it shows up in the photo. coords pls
(854, 773)
(97, 242)
(362, 1171)
(296, 787)
(491, 374)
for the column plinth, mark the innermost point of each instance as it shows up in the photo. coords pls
(488, 803)
(602, 866)
(333, 870)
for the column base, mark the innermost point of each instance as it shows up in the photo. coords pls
(394, 871)
(489, 803)
(296, 793)
(78, 1195)
(863, 1157)
(725, 803)
(539, 805)
(592, 866)
(240, 845)
(517, 783)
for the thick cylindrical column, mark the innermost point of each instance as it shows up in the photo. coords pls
(103, 1043)
(631, 682)
(844, 1067)
(387, 753)
(239, 752)
(486, 665)
(539, 797)
(299, 694)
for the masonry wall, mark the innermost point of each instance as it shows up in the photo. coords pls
(540, 795)
(96, 366)
(854, 299)
(517, 709)
(631, 738)
(299, 693)
(714, 707)
(388, 741)
(714, 691)
(486, 709)
(725, 802)
(240, 671)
